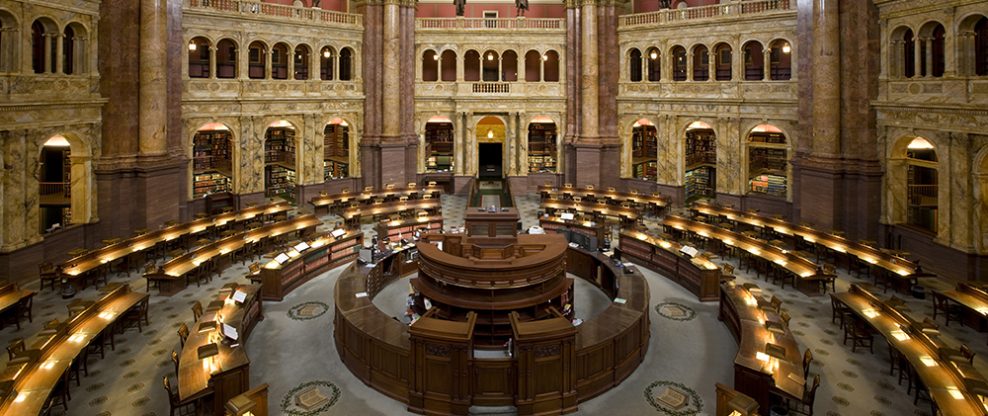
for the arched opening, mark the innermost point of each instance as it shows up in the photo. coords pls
(654, 65)
(644, 150)
(701, 63)
(8, 42)
(931, 50)
(44, 47)
(701, 161)
(768, 161)
(754, 61)
(336, 150)
(921, 185)
(635, 65)
(780, 60)
(55, 193)
(212, 160)
(199, 58)
(74, 49)
(257, 60)
(550, 66)
(280, 154)
(724, 62)
(327, 57)
(509, 66)
(533, 66)
(302, 61)
(542, 148)
(226, 59)
(279, 61)
(490, 65)
(981, 47)
(491, 133)
(679, 63)
(908, 54)
(471, 66)
(346, 64)
(430, 66)
(448, 66)
(439, 144)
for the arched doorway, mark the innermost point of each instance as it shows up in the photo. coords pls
(542, 146)
(280, 156)
(491, 133)
(439, 146)
(55, 178)
(701, 161)
(199, 63)
(644, 150)
(768, 161)
(336, 150)
(212, 160)
(922, 185)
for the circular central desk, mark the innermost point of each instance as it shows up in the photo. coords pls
(433, 367)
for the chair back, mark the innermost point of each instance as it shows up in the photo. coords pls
(807, 359)
(175, 361)
(183, 333)
(829, 269)
(172, 396)
(15, 347)
(785, 317)
(810, 394)
(776, 303)
(196, 310)
(967, 353)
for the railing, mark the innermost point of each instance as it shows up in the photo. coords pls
(55, 189)
(488, 24)
(248, 7)
(735, 8)
(491, 88)
(922, 195)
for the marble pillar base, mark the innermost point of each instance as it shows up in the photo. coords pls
(594, 164)
(144, 196)
(838, 195)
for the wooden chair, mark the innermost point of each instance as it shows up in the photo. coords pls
(58, 397)
(805, 406)
(50, 275)
(839, 311)
(859, 334)
(22, 310)
(950, 311)
(150, 268)
(76, 306)
(776, 303)
(15, 347)
(175, 361)
(183, 333)
(786, 317)
(807, 360)
(967, 354)
(827, 276)
(175, 404)
(196, 311)
(136, 317)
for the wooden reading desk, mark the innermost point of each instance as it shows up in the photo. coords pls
(353, 214)
(12, 298)
(955, 386)
(698, 274)
(29, 380)
(344, 199)
(626, 214)
(768, 360)
(289, 269)
(972, 298)
(654, 203)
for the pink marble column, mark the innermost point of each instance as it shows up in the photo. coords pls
(390, 69)
(826, 79)
(590, 78)
(153, 104)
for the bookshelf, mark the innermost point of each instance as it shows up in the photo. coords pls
(768, 170)
(336, 152)
(542, 149)
(279, 181)
(212, 161)
(279, 146)
(774, 185)
(701, 148)
(700, 182)
(644, 152)
(439, 147)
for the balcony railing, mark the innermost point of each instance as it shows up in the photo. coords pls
(491, 88)
(488, 24)
(248, 7)
(734, 8)
(55, 193)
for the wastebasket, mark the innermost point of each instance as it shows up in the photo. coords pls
(778, 411)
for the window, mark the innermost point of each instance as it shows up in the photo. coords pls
(346, 64)
(471, 66)
(490, 64)
(256, 61)
(490, 19)
(780, 60)
(533, 66)
(754, 61)
(279, 61)
(509, 66)
(679, 63)
(654, 65)
(981, 47)
(326, 60)
(908, 54)
(430, 66)
(199, 58)
(550, 66)
(448, 66)
(226, 59)
(635, 65)
(725, 65)
(701, 63)
(301, 64)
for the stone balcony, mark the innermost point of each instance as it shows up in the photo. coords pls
(42, 87)
(946, 90)
(782, 91)
(210, 89)
(490, 90)
(255, 10)
(500, 25)
(732, 11)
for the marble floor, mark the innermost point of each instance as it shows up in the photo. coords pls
(689, 348)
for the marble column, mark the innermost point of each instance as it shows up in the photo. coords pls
(917, 56)
(269, 54)
(458, 144)
(153, 104)
(826, 80)
(391, 107)
(290, 65)
(14, 182)
(81, 186)
(711, 65)
(689, 66)
(737, 61)
(591, 73)
(767, 63)
(212, 61)
(928, 68)
(59, 47)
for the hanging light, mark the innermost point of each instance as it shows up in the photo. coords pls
(490, 133)
(435, 57)
(545, 57)
(490, 56)
(654, 55)
(193, 46)
(326, 54)
(786, 48)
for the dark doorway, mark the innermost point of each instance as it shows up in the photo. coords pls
(489, 160)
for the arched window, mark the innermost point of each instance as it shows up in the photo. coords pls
(226, 59)
(212, 160)
(448, 66)
(754, 61)
(8, 42)
(701, 63)
(327, 58)
(724, 61)
(780, 63)
(279, 61)
(654, 60)
(533, 66)
(644, 150)
(346, 64)
(490, 65)
(939, 60)
(257, 60)
(550, 66)
(635, 65)
(336, 150)
(74, 46)
(471, 66)
(678, 63)
(768, 161)
(302, 61)
(908, 54)
(199, 58)
(430, 66)
(439, 144)
(921, 185)
(44, 47)
(981, 47)
(509, 66)
(931, 52)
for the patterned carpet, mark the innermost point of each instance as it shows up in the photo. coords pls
(293, 350)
